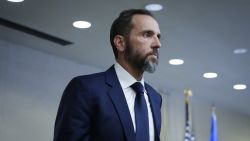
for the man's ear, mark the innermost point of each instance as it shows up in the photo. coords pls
(120, 43)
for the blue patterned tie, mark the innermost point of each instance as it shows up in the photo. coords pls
(141, 113)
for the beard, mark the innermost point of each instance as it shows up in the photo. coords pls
(146, 63)
(150, 65)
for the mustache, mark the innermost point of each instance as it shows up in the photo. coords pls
(154, 52)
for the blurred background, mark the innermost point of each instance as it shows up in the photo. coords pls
(41, 51)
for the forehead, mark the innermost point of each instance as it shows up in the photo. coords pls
(145, 22)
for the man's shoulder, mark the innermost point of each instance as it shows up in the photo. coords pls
(99, 76)
(89, 77)
(86, 76)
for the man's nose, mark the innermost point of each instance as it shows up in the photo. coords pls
(157, 43)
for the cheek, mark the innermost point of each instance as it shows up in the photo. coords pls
(140, 46)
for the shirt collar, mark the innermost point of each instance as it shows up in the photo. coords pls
(125, 79)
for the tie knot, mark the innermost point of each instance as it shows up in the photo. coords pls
(138, 87)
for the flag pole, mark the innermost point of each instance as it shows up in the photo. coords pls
(189, 135)
(188, 93)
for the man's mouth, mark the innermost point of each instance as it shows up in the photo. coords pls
(154, 54)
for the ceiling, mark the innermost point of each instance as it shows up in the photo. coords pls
(203, 33)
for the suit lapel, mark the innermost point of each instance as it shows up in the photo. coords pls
(155, 107)
(120, 104)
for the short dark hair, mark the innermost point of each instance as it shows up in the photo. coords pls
(122, 25)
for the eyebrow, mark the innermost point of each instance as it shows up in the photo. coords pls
(151, 31)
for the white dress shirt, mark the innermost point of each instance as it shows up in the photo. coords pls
(126, 80)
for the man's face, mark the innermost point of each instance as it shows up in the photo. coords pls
(143, 43)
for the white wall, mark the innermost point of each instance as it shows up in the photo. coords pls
(32, 82)
(31, 85)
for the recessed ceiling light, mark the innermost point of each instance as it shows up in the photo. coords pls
(82, 24)
(154, 7)
(240, 86)
(240, 51)
(15, 0)
(176, 62)
(210, 75)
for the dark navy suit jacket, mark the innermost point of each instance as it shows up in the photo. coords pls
(93, 108)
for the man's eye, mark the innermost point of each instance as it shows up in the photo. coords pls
(147, 34)
(159, 36)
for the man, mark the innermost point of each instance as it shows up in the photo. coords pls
(103, 106)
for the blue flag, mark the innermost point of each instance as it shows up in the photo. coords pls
(214, 133)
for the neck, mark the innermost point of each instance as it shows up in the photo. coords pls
(135, 72)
